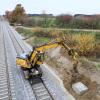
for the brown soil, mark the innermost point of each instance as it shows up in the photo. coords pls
(88, 74)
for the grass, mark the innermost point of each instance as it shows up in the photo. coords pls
(39, 37)
(98, 65)
(30, 32)
(25, 32)
(40, 40)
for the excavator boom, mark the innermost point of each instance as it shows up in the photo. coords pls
(34, 59)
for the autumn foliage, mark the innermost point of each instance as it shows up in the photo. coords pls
(83, 43)
(17, 15)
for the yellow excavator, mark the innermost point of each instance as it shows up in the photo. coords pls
(30, 63)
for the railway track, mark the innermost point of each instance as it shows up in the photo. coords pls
(24, 91)
(5, 74)
(39, 89)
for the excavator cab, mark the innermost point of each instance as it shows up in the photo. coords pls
(41, 57)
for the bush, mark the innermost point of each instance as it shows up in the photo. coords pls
(29, 22)
(44, 32)
(85, 43)
(39, 32)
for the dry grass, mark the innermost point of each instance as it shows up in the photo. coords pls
(37, 29)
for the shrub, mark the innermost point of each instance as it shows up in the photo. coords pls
(39, 32)
(85, 43)
(54, 33)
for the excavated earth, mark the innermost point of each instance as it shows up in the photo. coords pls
(88, 73)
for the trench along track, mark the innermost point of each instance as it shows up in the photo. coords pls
(39, 89)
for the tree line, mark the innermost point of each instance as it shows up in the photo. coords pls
(79, 21)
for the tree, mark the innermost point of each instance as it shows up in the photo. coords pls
(8, 15)
(63, 20)
(18, 14)
(28, 21)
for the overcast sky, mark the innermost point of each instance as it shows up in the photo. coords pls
(54, 6)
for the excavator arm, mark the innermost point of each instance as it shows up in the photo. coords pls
(33, 57)
(41, 49)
